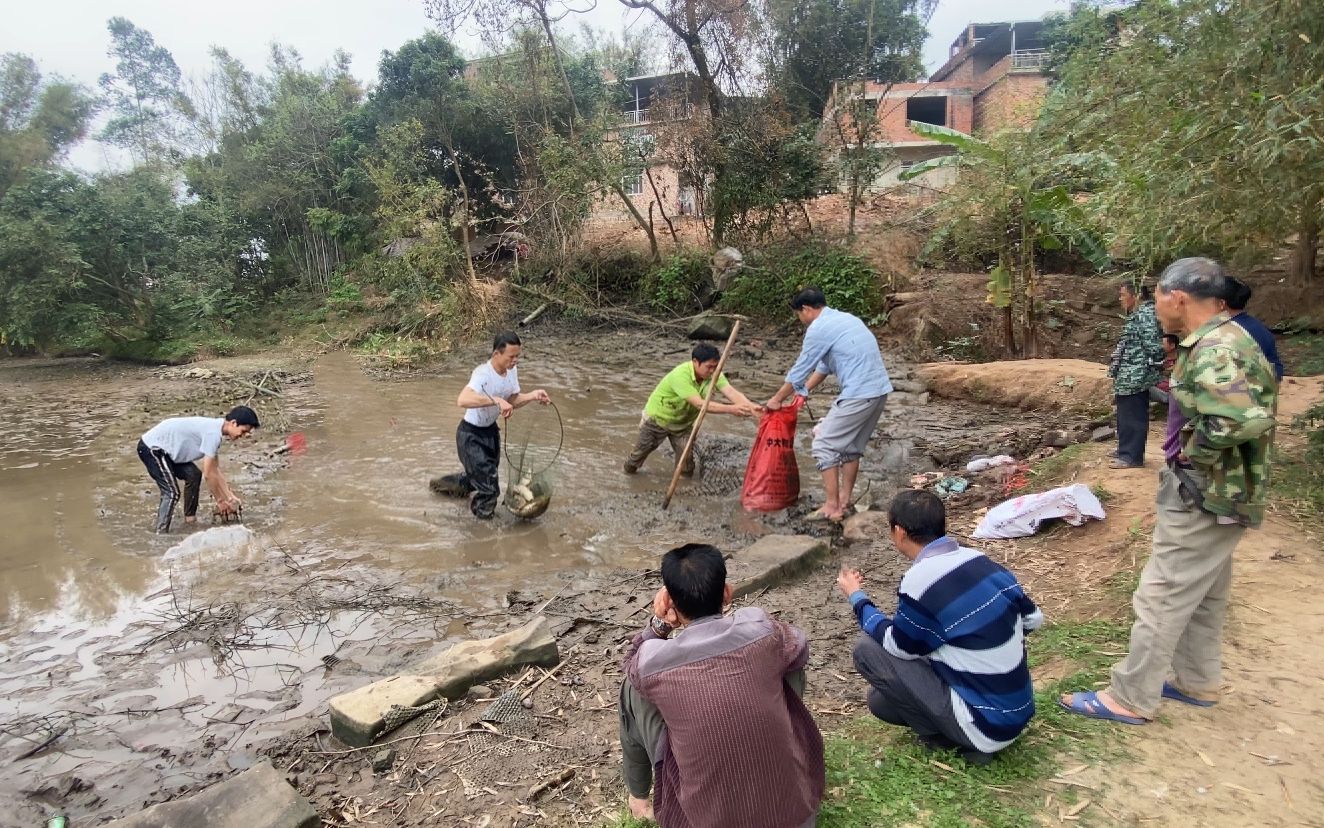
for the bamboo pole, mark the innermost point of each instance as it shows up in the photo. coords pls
(703, 412)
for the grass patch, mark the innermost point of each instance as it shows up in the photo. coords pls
(1296, 488)
(181, 350)
(1056, 470)
(1303, 354)
(877, 775)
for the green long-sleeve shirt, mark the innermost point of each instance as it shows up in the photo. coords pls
(1227, 390)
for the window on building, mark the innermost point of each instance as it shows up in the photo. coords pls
(930, 109)
(633, 183)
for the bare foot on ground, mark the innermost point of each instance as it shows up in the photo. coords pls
(641, 808)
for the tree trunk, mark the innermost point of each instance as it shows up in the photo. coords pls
(660, 207)
(464, 196)
(560, 67)
(854, 197)
(639, 220)
(1008, 333)
(1307, 242)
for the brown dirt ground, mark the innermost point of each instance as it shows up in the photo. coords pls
(1030, 384)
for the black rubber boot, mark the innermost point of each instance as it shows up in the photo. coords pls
(450, 485)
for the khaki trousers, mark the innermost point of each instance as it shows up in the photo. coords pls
(1179, 605)
(651, 435)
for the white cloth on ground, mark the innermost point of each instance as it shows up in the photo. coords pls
(1021, 516)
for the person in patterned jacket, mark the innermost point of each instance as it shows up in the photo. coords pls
(1220, 428)
(1135, 368)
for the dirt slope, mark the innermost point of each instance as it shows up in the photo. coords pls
(1071, 385)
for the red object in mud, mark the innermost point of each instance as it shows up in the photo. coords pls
(772, 477)
(296, 443)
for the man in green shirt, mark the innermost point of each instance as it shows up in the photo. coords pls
(675, 403)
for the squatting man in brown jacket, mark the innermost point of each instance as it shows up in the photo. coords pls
(712, 704)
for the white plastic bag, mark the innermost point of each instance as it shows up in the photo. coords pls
(1021, 516)
(986, 463)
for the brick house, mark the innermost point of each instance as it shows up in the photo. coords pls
(654, 110)
(992, 79)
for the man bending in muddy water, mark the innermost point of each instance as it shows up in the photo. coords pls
(492, 393)
(712, 704)
(675, 402)
(837, 343)
(170, 451)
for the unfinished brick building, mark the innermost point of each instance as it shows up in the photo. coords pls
(993, 79)
(656, 111)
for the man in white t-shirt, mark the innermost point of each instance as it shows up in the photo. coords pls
(492, 393)
(170, 451)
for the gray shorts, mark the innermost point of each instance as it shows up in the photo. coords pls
(844, 433)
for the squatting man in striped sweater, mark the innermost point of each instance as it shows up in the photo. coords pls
(170, 451)
(950, 665)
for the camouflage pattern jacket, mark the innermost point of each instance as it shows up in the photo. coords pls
(1138, 357)
(1226, 389)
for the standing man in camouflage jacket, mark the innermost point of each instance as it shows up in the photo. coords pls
(1220, 427)
(1135, 368)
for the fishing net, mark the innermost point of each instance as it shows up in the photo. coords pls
(533, 439)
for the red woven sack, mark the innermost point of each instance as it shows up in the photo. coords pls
(772, 477)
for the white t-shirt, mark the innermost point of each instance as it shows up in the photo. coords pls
(485, 380)
(186, 439)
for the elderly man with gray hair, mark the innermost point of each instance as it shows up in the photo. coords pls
(1220, 425)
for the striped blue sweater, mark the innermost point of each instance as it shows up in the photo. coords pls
(968, 616)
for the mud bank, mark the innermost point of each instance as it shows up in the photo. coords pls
(140, 678)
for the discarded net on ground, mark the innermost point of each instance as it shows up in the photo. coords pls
(534, 436)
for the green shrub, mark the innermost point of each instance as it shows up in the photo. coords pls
(672, 287)
(775, 275)
(178, 350)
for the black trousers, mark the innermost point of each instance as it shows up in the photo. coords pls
(166, 472)
(908, 693)
(479, 448)
(1132, 426)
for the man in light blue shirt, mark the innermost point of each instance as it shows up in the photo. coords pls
(837, 344)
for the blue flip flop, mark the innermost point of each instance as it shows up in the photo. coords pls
(1087, 703)
(1171, 692)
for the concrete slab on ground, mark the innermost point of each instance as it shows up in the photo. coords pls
(771, 560)
(359, 716)
(257, 798)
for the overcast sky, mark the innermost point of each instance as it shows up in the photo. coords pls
(69, 37)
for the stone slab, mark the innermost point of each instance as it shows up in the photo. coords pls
(866, 527)
(772, 560)
(359, 716)
(257, 798)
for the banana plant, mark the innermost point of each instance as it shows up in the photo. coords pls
(1020, 191)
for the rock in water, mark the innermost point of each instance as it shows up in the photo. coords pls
(711, 327)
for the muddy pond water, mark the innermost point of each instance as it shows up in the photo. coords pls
(157, 670)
